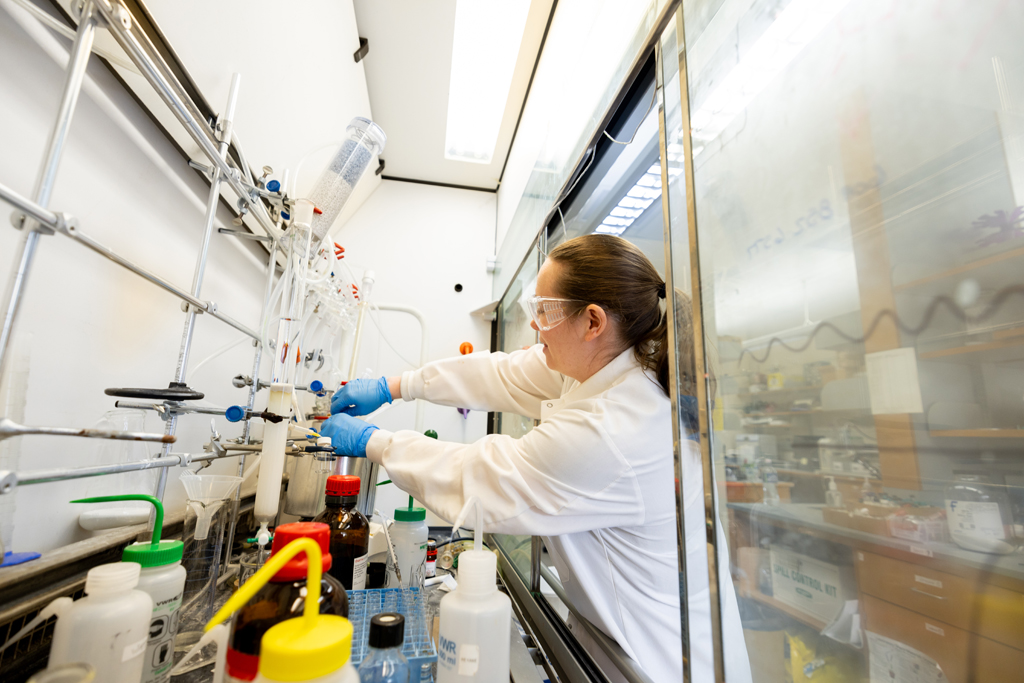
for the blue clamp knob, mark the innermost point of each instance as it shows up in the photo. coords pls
(285, 215)
(316, 386)
(235, 414)
(274, 185)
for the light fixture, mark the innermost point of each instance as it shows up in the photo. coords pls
(636, 200)
(487, 39)
(795, 27)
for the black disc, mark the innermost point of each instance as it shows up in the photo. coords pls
(176, 391)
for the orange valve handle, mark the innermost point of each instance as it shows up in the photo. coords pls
(465, 348)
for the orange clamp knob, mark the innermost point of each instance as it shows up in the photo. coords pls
(465, 348)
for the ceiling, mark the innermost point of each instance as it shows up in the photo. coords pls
(407, 75)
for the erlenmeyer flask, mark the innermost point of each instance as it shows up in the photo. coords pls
(206, 516)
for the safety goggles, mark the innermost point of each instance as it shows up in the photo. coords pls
(549, 312)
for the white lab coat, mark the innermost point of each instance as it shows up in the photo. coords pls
(594, 479)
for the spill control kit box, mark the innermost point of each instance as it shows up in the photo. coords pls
(816, 588)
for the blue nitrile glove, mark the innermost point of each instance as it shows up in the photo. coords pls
(361, 397)
(348, 435)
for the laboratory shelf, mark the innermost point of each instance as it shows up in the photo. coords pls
(979, 433)
(802, 617)
(936, 279)
(410, 603)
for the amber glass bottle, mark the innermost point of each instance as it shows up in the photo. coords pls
(282, 598)
(350, 531)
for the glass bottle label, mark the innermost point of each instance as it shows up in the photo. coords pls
(359, 572)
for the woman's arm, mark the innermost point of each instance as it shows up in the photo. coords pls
(565, 476)
(514, 382)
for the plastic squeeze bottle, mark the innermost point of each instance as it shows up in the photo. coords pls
(314, 648)
(280, 598)
(107, 629)
(350, 531)
(385, 662)
(476, 619)
(163, 579)
(409, 535)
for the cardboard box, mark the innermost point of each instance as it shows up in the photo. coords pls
(814, 587)
(753, 491)
(865, 523)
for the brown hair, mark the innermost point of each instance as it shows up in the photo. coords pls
(612, 273)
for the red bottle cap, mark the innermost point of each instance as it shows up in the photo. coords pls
(297, 566)
(343, 485)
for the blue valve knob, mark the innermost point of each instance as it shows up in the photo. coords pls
(316, 386)
(235, 414)
(274, 185)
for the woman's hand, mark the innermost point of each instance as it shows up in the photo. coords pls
(361, 397)
(348, 435)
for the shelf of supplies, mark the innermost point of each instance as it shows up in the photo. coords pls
(777, 392)
(803, 618)
(825, 475)
(960, 270)
(812, 412)
(980, 352)
(980, 433)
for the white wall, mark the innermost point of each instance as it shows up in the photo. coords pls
(93, 325)
(421, 241)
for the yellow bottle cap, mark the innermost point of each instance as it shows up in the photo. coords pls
(305, 647)
(291, 651)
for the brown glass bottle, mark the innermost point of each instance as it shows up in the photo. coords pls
(281, 599)
(350, 531)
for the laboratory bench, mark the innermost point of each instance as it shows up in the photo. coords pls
(962, 609)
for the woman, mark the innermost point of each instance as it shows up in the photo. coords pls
(595, 477)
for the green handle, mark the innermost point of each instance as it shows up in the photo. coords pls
(158, 523)
(431, 433)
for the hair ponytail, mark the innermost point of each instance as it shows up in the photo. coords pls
(617, 276)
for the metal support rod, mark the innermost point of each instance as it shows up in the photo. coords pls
(155, 70)
(69, 229)
(31, 230)
(249, 406)
(212, 202)
(182, 409)
(66, 473)
(9, 428)
(27, 206)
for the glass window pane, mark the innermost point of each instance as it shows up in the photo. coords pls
(859, 191)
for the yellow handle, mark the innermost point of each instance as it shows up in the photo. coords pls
(273, 565)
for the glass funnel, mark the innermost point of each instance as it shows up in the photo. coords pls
(206, 516)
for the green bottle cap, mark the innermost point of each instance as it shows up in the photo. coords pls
(155, 553)
(410, 515)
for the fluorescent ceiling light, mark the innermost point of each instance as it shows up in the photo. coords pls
(636, 200)
(794, 28)
(487, 38)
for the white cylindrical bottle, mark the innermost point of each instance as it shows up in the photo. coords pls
(409, 536)
(109, 627)
(163, 579)
(476, 623)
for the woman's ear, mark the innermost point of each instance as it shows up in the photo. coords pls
(597, 322)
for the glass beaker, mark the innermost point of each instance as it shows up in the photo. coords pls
(307, 479)
(206, 516)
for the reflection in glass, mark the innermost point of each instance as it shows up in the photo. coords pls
(859, 190)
